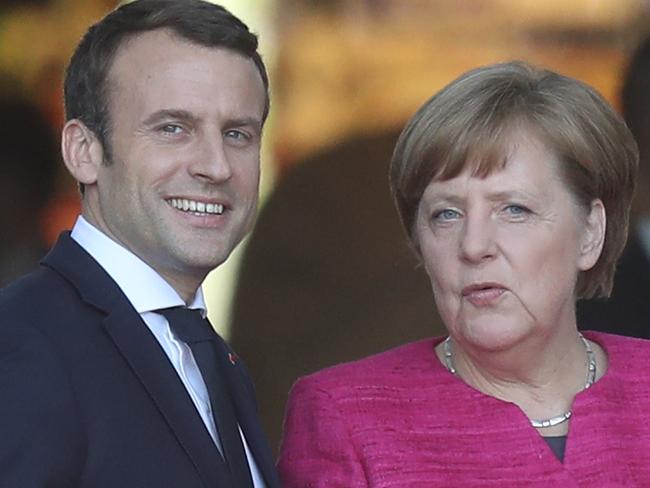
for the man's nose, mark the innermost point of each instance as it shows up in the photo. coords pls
(212, 161)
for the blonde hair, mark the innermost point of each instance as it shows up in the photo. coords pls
(469, 122)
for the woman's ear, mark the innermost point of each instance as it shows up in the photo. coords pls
(82, 151)
(593, 236)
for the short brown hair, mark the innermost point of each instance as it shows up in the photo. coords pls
(470, 120)
(198, 21)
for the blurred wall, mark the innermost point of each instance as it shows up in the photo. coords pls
(358, 66)
(343, 67)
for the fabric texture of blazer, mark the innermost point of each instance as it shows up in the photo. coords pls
(89, 398)
(401, 419)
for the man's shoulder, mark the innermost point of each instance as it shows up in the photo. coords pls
(38, 293)
(52, 293)
(64, 276)
(35, 286)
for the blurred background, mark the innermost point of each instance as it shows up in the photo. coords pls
(326, 276)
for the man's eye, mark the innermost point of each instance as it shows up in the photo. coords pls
(237, 134)
(171, 129)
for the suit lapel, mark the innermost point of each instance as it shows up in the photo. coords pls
(157, 375)
(144, 355)
(241, 390)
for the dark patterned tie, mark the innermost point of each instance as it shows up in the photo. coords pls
(190, 327)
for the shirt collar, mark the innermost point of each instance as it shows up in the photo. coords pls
(143, 286)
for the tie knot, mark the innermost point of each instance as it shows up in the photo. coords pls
(188, 324)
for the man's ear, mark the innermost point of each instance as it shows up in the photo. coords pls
(593, 236)
(82, 151)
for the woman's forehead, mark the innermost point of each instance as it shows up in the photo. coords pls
(483, 154)
(527, 170)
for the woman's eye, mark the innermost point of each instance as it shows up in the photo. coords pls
(516, 210)
(446, 214)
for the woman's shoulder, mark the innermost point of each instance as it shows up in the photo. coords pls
(618, 344)
(627, 356)
(403, 363)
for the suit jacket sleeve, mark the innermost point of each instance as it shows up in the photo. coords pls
(317, 451)
(42, 445)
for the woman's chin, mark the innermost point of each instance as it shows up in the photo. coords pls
(492, 336)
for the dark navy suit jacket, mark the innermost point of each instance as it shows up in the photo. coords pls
(88, 397)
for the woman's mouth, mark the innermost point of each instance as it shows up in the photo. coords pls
(483, 294)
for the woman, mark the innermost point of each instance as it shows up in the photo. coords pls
(514, 186)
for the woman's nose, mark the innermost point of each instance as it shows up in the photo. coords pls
(477, 243)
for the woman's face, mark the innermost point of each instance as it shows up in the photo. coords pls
(503, 251)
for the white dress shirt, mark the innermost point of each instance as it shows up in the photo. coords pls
(148, 292)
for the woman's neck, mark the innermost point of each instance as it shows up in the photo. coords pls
(540, 375)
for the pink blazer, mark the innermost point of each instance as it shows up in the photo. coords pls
(400, 419)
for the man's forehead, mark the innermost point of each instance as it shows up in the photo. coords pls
(158, 70)
(156, 40)
(146, 56)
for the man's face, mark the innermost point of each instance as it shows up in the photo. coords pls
(181, 188)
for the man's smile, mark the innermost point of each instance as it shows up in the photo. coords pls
(196, 206)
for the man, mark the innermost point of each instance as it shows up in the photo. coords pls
(103, 381)
(627, 310)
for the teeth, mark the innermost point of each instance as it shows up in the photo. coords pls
(195, 206)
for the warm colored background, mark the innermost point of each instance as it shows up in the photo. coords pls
(342, 67)
(324, 279)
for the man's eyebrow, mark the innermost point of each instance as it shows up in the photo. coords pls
(180, 114)
(167, 114)
(253, 122)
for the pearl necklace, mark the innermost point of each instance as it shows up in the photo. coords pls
(544, 423)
